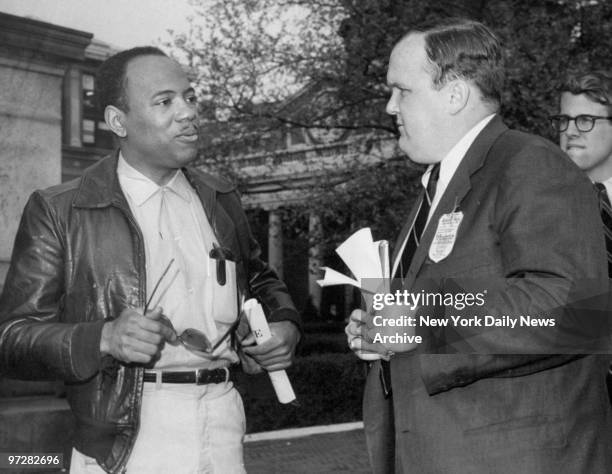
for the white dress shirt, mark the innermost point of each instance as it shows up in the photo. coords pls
(174, 226)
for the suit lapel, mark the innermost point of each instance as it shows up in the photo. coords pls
(458, 187)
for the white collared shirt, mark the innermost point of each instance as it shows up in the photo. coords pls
(189, 293)
(448, 167)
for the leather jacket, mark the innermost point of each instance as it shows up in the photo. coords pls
(78, 261)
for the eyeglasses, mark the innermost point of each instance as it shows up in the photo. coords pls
(193, 339)
(584, 123)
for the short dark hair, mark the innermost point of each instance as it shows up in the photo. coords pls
(596, 85)
(465, 49)
(111, 82)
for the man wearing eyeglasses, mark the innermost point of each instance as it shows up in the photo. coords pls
(584, 124)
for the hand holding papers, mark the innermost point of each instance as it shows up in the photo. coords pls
(369, 263)
(261, 331)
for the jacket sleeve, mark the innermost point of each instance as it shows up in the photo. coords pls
(35, 343)
(263, 283)
(552, 249)
(269, 290)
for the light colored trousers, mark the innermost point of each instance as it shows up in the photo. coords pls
(184, 429)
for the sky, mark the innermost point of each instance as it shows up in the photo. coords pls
(122, 23)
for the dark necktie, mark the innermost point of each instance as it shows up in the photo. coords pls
(414, 237)
(412, 243)
(606, 216)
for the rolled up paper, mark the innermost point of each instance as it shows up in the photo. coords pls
(261, 331)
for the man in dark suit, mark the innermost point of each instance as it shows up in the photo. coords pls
(501, 207)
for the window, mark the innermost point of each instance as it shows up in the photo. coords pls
(94, 131)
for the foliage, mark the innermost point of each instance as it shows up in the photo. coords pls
(262, 64)
(376, 196)
(543, 40)
(249, 56)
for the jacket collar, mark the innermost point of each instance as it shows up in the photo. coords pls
(139, 188)
(100, 186)
(208, 188)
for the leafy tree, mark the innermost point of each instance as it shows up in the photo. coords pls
(544, 40)
(258, 63)
(251, 56)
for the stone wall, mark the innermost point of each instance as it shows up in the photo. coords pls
(30, 139)
(34, 57)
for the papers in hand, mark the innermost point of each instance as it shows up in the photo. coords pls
(261, 331)
(332, 277)
(368, 261)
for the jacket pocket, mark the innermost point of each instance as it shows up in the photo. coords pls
(530, 432)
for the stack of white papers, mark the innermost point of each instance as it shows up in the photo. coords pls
(366, 259)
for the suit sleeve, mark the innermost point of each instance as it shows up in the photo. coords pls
(35, 343)
(551, 244)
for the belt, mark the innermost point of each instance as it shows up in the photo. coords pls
(198, 376)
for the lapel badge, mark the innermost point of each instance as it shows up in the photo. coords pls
(446, 234)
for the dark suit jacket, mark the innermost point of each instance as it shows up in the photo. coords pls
(531, 215)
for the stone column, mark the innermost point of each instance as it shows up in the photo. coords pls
(73, 119)
(275, 242)
(314, 259)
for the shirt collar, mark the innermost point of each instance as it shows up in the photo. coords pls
(140, 188)
(608, 185)
(453, 158)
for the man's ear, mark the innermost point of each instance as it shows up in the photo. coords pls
(115, 119)
(458, 95)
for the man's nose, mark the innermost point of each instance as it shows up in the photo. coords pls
(186, 110)
(572, 130)
(391, 107)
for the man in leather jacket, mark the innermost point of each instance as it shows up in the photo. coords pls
(87, 256)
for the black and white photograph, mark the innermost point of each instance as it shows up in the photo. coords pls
(306, 236)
